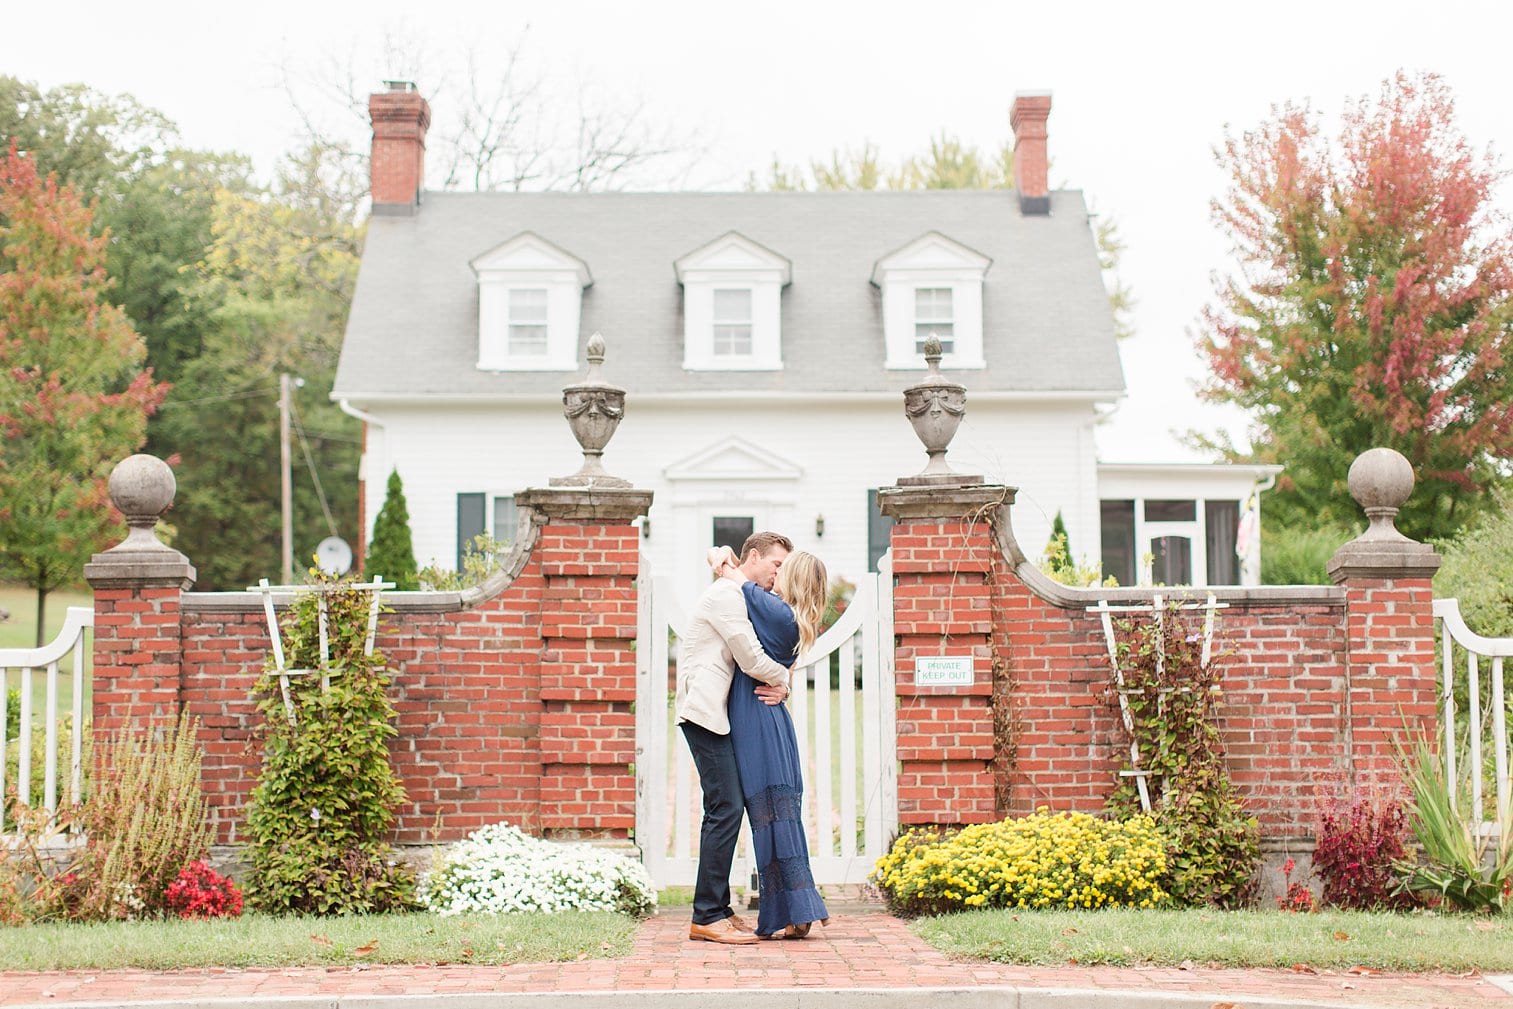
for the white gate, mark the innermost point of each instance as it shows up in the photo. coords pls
(1489, 702)
(843, 712)
(45, 659)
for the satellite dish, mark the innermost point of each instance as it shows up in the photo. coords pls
(334, 556)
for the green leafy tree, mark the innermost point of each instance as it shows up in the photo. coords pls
(947, 164)
(275, 284)
(74, 398)
(1371, 304)
(391, 554)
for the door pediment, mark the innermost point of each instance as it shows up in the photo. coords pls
(734, 459)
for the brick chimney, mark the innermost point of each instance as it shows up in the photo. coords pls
(1031, 164)
(400, 119)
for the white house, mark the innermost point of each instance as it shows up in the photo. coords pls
(764, 340)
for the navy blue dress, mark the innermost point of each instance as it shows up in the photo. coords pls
(772, 776)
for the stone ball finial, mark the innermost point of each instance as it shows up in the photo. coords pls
(142, 487)
(1381, 480)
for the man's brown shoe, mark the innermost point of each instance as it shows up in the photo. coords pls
(721, 931)
(740, 923)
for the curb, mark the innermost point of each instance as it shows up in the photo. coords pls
(777, 998)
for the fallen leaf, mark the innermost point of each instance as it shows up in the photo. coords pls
(1128, 951)
(365, 950)
(1342, 936)
(1069, 931)
(583, 955)
(1072, 960)
(1361, 970)
(1223, 1005)
(1303, 968)
(48, 994)
(1486, 926)
(467, 952)
(319, 940)
(1346, 984)
(1185, 965)
(605, 945)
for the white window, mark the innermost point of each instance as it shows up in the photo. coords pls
(732, 305)
(527, 321)
(932, 287)
(530, 299)
(932, 317)
(732, 322)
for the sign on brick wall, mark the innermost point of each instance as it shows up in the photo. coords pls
(943, 671)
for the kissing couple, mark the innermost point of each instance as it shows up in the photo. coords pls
(761, 612)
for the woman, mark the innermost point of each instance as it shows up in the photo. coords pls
(767, 748)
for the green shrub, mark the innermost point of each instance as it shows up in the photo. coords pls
(1213, 844)
(12, 715)
(480, 560)
(1297, 556)
(326, 796)
(1044, 860)
(37, 778)
(1478, 570)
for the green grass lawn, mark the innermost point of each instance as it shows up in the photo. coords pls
(1331, 939)
(19, 631)
(262, 941)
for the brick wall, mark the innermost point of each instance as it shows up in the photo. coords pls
(1318, 682)
(514, 702)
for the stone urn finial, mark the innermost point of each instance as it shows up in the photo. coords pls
(935, 406)
(1380, 480)
(593, 409)
(142, 487)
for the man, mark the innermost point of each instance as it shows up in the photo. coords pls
(719, 637)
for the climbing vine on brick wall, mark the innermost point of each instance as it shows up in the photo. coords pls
(326, 797)
(1212, 842)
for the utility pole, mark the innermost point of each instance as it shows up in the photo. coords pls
(287, 501)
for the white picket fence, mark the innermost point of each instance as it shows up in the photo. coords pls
(45, 660)
(849, 817)
(1480, 704)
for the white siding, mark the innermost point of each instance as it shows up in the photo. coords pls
(839, 451)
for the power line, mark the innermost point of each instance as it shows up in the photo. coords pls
(304, 444)
(244, 394)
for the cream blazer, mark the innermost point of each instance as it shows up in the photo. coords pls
(719, 637)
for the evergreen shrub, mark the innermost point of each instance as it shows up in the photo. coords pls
(391, 554)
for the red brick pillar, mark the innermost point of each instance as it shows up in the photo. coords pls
(137, 585)
(589, 554)
(942, 607)
(1391, 686)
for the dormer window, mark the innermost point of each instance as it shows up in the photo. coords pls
(932, 287)
(732, 305)
(528, 318)
(732, 322)
(530, 296)
(932, 317)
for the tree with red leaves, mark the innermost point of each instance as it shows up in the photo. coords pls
(74, 398)
(1372, 305)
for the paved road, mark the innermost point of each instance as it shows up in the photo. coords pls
(862, 952)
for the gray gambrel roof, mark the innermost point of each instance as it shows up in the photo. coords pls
(413, 330)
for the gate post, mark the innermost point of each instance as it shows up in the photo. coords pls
(942, 544)
(589, 553)
(1390, 683)
(137, 585)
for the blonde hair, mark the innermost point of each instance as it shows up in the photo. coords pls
(804, 584)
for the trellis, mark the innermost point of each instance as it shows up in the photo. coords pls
(376, 586)
(1157, 608)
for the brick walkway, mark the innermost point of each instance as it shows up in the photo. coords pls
(861, 949)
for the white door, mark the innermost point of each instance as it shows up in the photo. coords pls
(843, 712)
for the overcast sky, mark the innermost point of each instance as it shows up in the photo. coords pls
(1141, 94)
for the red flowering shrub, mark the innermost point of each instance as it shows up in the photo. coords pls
(1359, 840)
(201, 892)
(1298, 898)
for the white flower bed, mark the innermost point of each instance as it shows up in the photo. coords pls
(499, 869)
